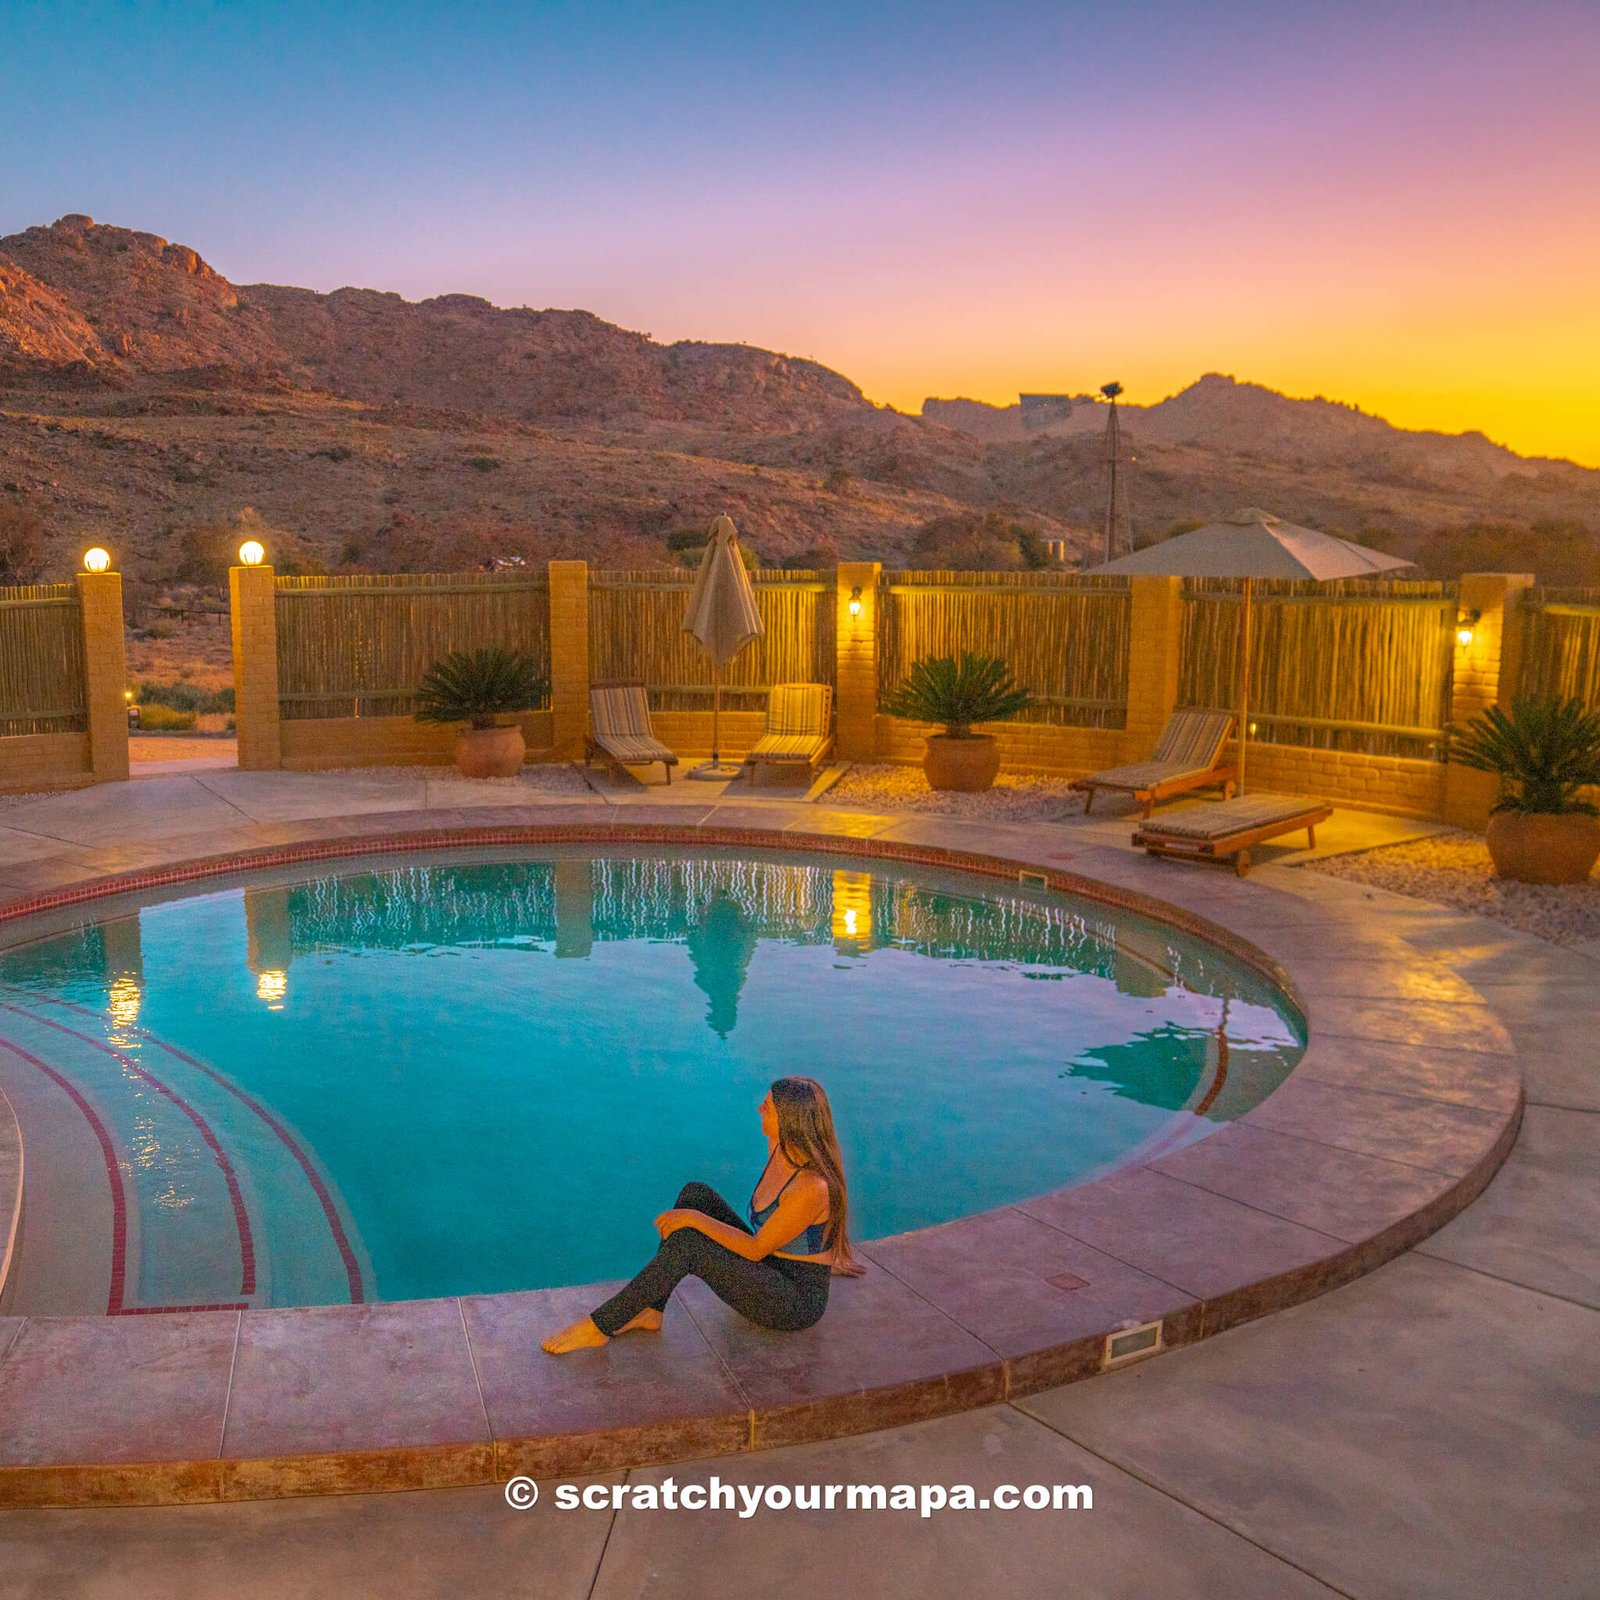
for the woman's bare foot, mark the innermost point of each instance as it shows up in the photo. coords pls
(580, 1336)
(585, 1336)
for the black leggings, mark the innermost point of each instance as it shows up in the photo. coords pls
(773, 1293)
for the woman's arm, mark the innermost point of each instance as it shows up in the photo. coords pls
(798, 1207)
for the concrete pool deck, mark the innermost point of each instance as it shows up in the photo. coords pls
(1470, 1356)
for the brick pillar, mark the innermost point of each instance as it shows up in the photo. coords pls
(1486, 673)
(569, 657)
(105, 674)
(253, 603)
(1155, 630)
(856, 668)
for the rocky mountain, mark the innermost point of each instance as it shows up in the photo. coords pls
(143, 396)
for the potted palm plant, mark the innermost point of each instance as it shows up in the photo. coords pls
(957, 692)
(480, 688)
(1544, 752)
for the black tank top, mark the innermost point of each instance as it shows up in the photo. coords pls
(809, 1241)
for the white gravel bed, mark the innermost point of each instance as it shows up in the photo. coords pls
(1016, 797)
(1454, 869)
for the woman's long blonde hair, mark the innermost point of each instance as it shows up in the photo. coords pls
(807, 1139)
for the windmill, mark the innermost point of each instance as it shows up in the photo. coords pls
(1119, 519)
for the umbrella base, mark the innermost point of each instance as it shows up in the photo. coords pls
(714, 771)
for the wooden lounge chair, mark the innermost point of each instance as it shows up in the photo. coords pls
(619, 719)
(1186, 757)
(1228, 828)
(798, 731)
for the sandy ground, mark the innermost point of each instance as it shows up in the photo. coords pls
(180, 747)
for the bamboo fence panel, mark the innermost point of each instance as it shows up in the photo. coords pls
(42, 686)
(1561, 645)
(1358, 665)
(636, 631)
(1064, 637)
(358, 646)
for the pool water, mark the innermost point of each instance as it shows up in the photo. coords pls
(441, 1076)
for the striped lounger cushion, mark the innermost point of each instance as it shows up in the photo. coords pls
(1144, 774)
(1225, 818)
(797, 723)
(1193, 739)
(621, 717)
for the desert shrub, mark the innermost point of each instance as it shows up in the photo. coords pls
(483, 463)
(22, 556)
(1562, 553)
(185, 697)
(157, 718)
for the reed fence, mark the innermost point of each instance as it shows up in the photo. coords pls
(358, 646)
(636, 631)
(1064, 637)
(1561, 645)
(42, 683)
(1357, 666)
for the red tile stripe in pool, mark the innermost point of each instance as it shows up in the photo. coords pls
(119, 1199)
(330, 1210)
(241, 1216)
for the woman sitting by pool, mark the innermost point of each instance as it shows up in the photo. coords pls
(773, 1269)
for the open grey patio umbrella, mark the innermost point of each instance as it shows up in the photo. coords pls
(722, 615)
(1251, 544)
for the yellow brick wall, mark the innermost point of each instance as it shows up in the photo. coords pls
(105, 674)
(856, 642)
(1486, 674)
(1154, 632)
(253, 607)
(1376, 783)
(569, 656)
(44, 761)
(1418, 788)
(1024, 746)
(309, 744)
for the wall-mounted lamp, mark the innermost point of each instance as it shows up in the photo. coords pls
(252, 552)
(855, 601)
(96, 560)
(1464, 626)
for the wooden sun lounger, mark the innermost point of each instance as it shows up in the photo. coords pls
(798, 728)
(1186, 757)
(619, 718)
(1228, 828)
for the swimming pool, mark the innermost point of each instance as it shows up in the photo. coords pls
(435, 1076)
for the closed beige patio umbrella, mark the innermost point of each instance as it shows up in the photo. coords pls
(1251, 544)
(722, 616)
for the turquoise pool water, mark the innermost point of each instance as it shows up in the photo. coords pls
(447, 1076)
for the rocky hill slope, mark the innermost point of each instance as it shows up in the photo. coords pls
(144, 396)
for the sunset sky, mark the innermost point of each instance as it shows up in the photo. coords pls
(1393, 205)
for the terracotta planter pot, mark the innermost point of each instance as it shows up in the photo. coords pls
(1536, 848)
(968, 764)
(490, 752)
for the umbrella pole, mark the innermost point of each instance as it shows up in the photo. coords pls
(714, 769)
(1244, 687)
(716, 716)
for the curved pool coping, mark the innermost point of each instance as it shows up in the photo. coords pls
(1404, 1104)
